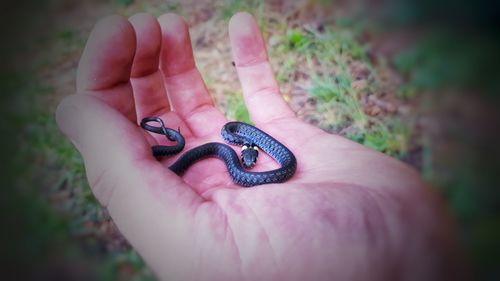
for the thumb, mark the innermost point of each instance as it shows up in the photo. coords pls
(148, 203)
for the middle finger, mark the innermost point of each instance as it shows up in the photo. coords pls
(186, 90)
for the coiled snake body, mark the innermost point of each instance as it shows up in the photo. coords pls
(248, 136)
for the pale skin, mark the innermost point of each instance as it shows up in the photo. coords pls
(349, 213)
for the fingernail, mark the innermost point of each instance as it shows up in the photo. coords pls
(242, 23)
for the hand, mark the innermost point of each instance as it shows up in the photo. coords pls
(349, 213)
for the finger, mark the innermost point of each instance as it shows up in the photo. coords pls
(119, 152)
(147, 81)
(147, 202)
(187, 92)
(260, 88)
(105, 65)
(146, 78)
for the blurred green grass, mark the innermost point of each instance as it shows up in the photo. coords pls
(45, 163)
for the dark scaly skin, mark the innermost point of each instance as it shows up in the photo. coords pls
(241, 134)
(164, 150)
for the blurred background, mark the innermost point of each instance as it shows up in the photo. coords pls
(417, 80)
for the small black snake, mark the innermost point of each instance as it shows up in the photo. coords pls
(248, 136)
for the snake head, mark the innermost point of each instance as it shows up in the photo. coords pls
(249, 154)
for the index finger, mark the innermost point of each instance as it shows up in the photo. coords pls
(260, 88)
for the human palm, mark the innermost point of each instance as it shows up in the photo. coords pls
(348, 213)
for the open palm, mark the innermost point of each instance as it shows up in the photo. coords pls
(348, 213)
